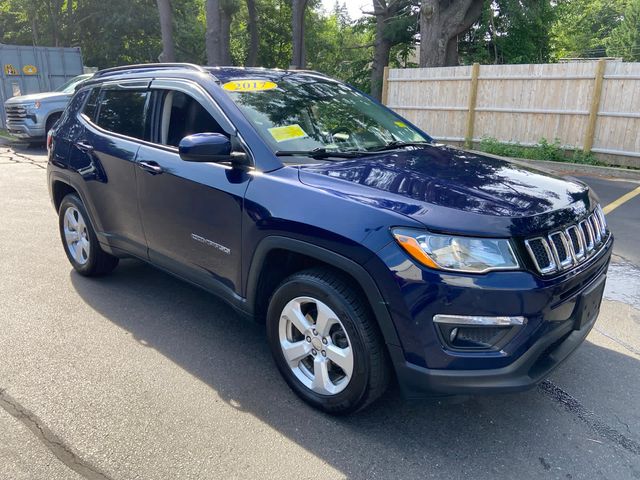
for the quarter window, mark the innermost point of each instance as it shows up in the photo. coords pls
(123, 111)
(91, 106)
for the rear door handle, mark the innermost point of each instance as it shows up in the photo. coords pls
(84, 147)
(151, 167)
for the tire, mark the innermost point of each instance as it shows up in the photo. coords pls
(360, 373)
(79, 239)
(51, 122)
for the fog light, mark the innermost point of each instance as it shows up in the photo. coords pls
(473, 332)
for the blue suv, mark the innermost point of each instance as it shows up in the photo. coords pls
(373, 254)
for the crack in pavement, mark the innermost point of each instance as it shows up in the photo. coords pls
(598, 425)
(623, 344)
(15, 157)
(63, 452)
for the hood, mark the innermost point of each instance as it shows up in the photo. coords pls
(44, 96)
(440, 184)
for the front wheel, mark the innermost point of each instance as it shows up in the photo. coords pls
(325, 342)
(79, 239)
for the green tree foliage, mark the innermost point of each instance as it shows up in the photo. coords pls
(110, 33)
(510, 31)
(115, 32)
(582, 27)
(624, 40)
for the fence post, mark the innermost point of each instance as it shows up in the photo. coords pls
(473, 97)
(595, 105)
(385, 86)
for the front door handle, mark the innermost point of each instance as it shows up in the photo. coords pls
(150, 167)
(84, 147)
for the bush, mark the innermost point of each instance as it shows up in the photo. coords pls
(543, 150)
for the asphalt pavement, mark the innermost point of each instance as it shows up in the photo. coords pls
(140, 376)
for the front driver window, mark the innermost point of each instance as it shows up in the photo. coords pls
(182, 115)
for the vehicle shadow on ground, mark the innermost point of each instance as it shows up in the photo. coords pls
(508, 435)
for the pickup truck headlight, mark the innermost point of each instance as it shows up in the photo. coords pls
(32, 107)
(458, 254)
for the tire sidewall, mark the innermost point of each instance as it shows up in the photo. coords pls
(73, 200)
(348, 399)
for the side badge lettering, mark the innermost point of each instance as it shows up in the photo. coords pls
(211, 243)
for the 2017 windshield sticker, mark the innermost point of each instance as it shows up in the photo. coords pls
(289, 132)
(250, 85)
(401, 124)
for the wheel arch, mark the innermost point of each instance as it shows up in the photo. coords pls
(52, 114)
(60, 189)
(260, 285)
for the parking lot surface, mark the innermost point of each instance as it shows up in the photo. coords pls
(140, 376)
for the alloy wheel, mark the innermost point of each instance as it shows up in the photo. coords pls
(316, 345)
(76, 235)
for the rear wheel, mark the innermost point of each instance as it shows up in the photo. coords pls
(79, 239)
(325, 342)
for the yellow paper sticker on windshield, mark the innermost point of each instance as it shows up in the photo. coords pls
(401, 124)
(290, 132)
(250, 85)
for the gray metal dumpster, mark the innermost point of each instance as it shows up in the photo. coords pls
(25, 70)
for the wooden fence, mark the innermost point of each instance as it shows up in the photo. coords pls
(593, 106)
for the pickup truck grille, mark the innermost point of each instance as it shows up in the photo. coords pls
(564, 249)
(15, 113)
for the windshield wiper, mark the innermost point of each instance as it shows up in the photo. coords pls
(399, 144)
(322, 153)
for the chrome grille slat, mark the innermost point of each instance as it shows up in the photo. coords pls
(544, 263)
(563, 249)
(596, 228)
(602, 219)
(587, 233)
(577, 242)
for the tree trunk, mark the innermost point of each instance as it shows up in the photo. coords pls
(166, 28)
(451, 57)
(212, 36)
(254, 38)
(55, 25)
(70, 23)
(440, 23)
(382, 47)
(297, 21)
(34, 30)
(494, 36)
(227, 9)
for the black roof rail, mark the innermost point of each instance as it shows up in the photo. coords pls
(153, 66)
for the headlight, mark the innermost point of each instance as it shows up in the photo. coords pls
(459, 254)
(32, 107)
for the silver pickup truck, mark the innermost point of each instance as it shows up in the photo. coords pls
(30, 117)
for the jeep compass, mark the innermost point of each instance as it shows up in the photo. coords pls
(372, 253)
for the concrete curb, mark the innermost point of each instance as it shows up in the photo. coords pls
(576, 168)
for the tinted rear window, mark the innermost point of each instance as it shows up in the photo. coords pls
(91, 107)
(123, 111)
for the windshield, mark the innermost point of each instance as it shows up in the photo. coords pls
(70, 86)
(305, 113)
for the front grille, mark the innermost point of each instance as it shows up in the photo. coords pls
(564, 249)
(16, 113)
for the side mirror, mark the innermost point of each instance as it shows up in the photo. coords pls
(209, 147)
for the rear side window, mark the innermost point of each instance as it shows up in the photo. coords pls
(123, 111)
(73, 107)
(91, 107)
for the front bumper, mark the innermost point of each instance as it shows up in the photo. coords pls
(26, 131)
(560, 313)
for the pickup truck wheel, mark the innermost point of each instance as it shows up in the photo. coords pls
(51, 122)
(79, 239)
(326, 343)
